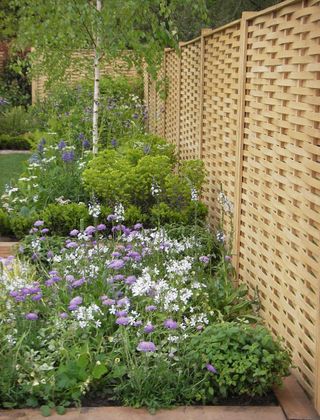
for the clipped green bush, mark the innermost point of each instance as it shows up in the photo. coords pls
(5, 228)
(61, 219)
(16, 121)
(238, 359)
(21, 224)
(15, 142)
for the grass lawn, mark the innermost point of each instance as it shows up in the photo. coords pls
(11, 166)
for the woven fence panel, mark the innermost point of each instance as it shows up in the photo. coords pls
(220, 110)
(172, 61)
(279, 222)
(3, 56)
(190, 101)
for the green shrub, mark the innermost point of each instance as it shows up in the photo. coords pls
(8, 142)
(5, 228)
(21, 224)
(247, 360)
(61, 219)
(16, 121)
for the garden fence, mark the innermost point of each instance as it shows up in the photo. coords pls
(77, 72)
(245, 98)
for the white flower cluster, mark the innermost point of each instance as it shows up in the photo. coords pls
(194, 195)
(225, 202)
(119, 213)
(85, 316)
(155, 189)
(94, 210)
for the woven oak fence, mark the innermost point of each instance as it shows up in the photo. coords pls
(80, 71)
(245, 98)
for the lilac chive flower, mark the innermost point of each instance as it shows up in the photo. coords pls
(130, 280)
(199, 327)
(37, 297)
(34, 256)
(146, 346)
(122, 320)
(76, 300)
(45, 230)
(111, 217)
(53, 272)
(38, 223)
(71, 245)
(116, 254)
(137, 323)
(116, 264)
(63, 315)
(73, 307)
(61, 145)
(204, 259)
(31, 316)
(211, 368)
(170, 324)
(74, 232)
(123, 302)
(78, 283)
(227, 258)
(118, 277)
(43, 238)
(50, 254)
(86, 144)
(101, 227)
(148, 328)
(151, 308)
(70, 277)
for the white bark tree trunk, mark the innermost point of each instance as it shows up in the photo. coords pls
(96, 92)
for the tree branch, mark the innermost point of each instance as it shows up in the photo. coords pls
(85, 26)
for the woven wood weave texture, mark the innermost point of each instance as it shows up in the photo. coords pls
(256, 127)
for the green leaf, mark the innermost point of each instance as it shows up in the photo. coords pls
(98, 371)
(60, 409)
(45, 410)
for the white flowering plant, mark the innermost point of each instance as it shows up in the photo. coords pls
(115, 314)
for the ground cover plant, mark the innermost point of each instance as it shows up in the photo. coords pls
(132, 315)
(11, 167)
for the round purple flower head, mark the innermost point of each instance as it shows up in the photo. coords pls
(227, 258)
(116, 264)
(148, 328)
(45, 230)
(38, 223)
(76, 300)
(74, 232)
(204, 259)
(130, 280)
(101, 227)
(108, 301)
(86, 144)
(170, 324)
(90, 230)
(137, 226)
(151, 308)
(31, 316)
(211, 368)
(122, 320)
(63, 315)
(61, 145)
(146, 346)
(68, 156)
(111, 217)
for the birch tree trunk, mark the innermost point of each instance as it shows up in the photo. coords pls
(96, 92)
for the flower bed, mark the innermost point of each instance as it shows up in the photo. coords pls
(139, 317)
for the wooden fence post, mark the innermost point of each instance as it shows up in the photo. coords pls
(240, 135)
(179, 101)
(203, 31)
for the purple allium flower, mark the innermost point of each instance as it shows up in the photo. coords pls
(43, 238)
(34, 256)
(134, 254)
(53, 272)
(130, 280)
(204, 259)
(68, 156)
(138, 226)
(151, 308)
(37, 297)
(199, 327)
(123, 302)
(71, 245)
(111, 217)
(78, 283)
(90, 230)
(49, 282)
(45, 230)
(120, 247)
(122, 320)
(101, 227)
(73, 307)
(61, 145)
(31, 316)
(148, 328)
(146, 346)
(121, 313)
(38, 223)
(63, 315)
(116, 264)
(227, 258)
(76, 300)
(211, 368)
(70, 277)
(21, 249)
(74, 232)
(170, 324)
(137, 323)
(108, 301)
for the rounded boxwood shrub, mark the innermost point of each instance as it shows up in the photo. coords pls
(9, 142)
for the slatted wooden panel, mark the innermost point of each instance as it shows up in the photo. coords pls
(172, 101)
(219, 118)
(190, 100)
(3, 56)
(280, 205)
(78, 72)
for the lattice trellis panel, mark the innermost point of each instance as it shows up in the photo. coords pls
(280, 210)
(220, 111)
(172, 61)
(190, 101)
(160, 105)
